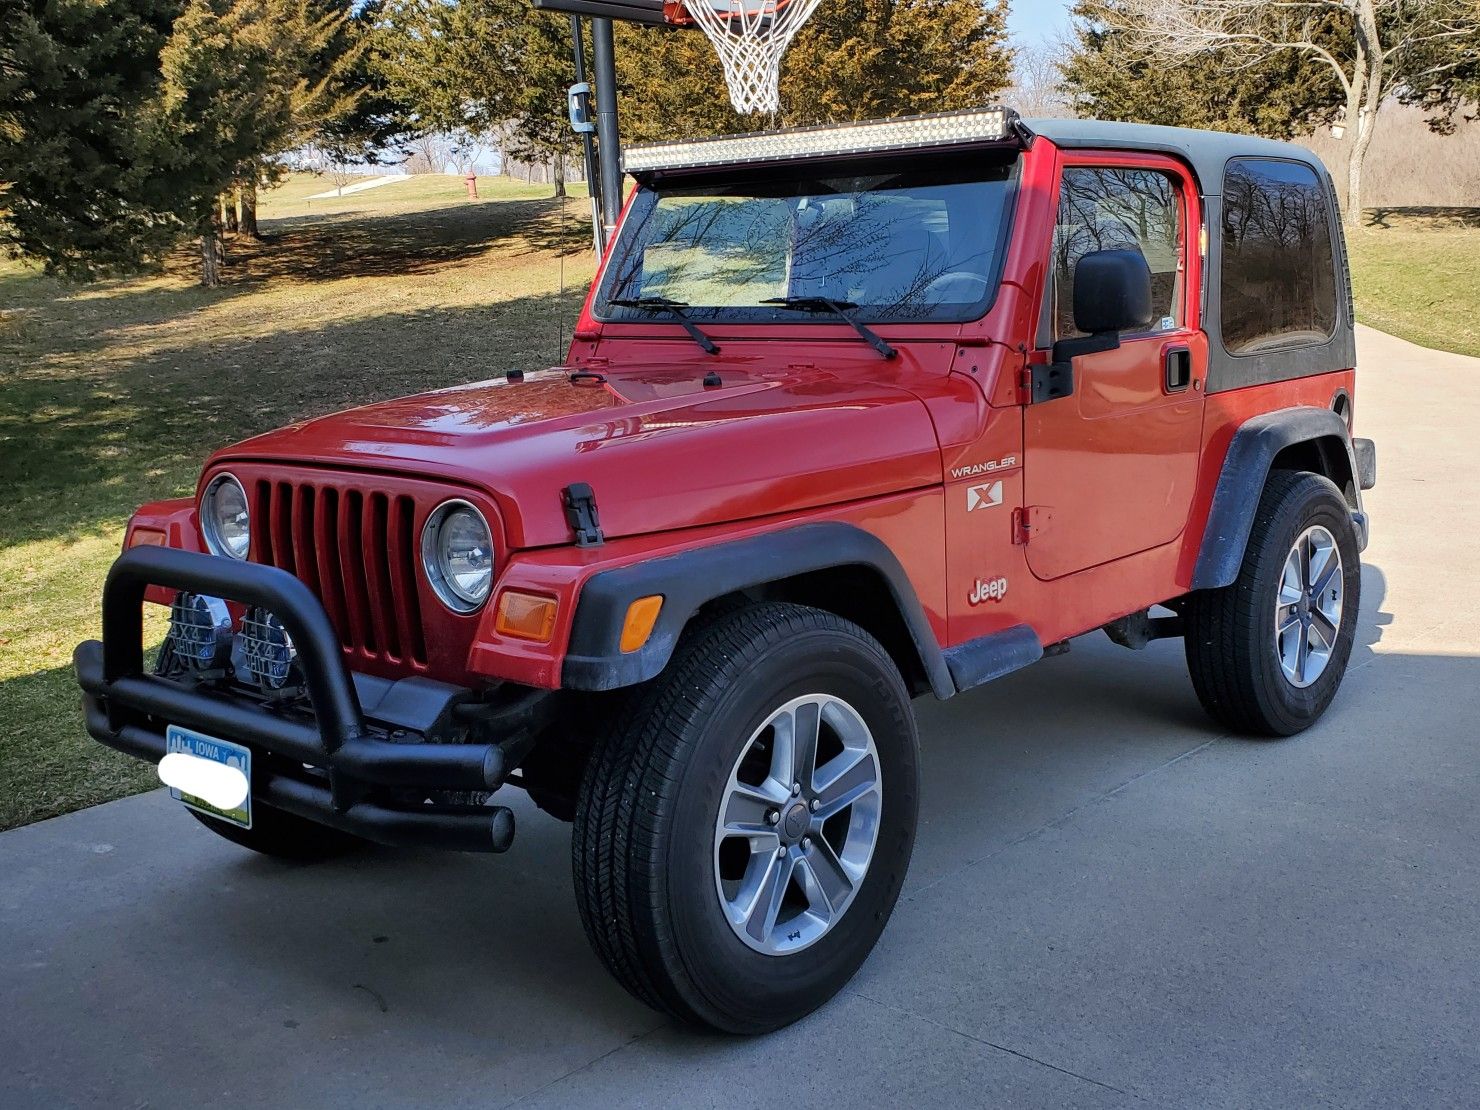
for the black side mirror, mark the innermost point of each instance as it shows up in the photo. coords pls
(1112, 294)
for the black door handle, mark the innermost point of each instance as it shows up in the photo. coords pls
(1178, 369)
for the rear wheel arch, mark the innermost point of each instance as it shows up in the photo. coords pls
(1303, 439)
(1325, 455)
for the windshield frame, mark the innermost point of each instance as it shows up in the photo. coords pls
(603, 312)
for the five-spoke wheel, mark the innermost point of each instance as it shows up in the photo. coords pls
(1308, 608)
(798, 823)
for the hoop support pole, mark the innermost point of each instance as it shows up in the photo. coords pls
(609, 143)
(588, 143)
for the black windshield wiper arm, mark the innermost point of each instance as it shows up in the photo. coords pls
(843, 311)
(674, 309)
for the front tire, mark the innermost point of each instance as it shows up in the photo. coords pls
(743, 831)
(1268, 652)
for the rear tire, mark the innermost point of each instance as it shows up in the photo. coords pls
(1249, 675)
(684, 819)
(283, 835)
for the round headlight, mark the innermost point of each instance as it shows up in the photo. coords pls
(457, 552)
(224, 518)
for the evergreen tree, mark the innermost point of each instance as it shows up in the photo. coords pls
(220, 109)
(123, 123)
(1110, 76)
(83, 192)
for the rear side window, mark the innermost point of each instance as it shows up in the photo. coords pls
(1279, 272)
(1114, 208)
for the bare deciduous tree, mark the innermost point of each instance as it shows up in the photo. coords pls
(1036, 79)
(1373, 47)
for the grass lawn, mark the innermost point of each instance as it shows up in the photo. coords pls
(1416, 274)
(112, 394)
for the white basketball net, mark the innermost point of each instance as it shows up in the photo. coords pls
(750, 37)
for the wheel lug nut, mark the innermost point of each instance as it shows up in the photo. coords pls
(806, 843)
(773, 816)
(796, 788)
(814, 805)
(781, 852)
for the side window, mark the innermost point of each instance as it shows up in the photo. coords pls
(1279, 271)
(1105, 208)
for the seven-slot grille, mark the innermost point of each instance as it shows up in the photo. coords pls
(356, 550)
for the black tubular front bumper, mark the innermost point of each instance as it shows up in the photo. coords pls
(129, 710)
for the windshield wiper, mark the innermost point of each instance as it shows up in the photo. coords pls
(843, 311)
(674, 309)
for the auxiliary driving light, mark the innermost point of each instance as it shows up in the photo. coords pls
(267, 651)
(200, 631)
(870, 136)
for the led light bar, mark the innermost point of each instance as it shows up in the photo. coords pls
(940, 129)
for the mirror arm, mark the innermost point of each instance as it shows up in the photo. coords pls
(1055, 379)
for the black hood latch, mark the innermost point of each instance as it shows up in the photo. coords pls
(580, 512)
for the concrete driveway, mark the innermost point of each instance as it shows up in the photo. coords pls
(1111, 903)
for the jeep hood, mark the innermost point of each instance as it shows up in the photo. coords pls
(660, 449)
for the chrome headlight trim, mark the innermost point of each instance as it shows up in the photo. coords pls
(210, 524)
(443, 585)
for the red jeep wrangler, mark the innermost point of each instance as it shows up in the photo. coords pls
(852, 414)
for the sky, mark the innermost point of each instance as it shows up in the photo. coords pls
(1038, 20)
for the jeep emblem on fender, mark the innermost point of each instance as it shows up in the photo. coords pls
(987, 589)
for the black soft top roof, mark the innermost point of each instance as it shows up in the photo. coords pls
(1205, 151)
(1208, 153)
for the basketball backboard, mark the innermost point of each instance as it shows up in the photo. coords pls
(632, 11)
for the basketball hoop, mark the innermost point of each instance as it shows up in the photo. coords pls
(749, 36)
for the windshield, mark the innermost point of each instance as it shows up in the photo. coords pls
(902, 245)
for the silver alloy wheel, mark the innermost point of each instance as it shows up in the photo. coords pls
(1307, 613)
(797, 824)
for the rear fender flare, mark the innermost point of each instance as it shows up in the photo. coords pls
(1246, 466)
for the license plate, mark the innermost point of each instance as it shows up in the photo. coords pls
(190, 742)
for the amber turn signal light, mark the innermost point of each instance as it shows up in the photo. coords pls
(642, 614)
(526, 616)
(145, 537)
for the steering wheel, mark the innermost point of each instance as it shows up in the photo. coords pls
(977, 290)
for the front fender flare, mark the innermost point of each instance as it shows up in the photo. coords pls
(689, 579)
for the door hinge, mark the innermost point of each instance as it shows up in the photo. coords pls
(580, 513)
(1029, 521)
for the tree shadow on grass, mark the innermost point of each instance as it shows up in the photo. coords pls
(327, 248)
(80, 451)
(1434, 217)
(60, 317)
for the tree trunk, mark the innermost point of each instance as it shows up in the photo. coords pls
(1366, 95)
(558, 165)
(228, 212)
(210, 252)
(249, 208)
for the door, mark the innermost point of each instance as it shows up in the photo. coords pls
(1109, 470)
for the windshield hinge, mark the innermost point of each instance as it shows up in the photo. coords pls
(581, 515)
